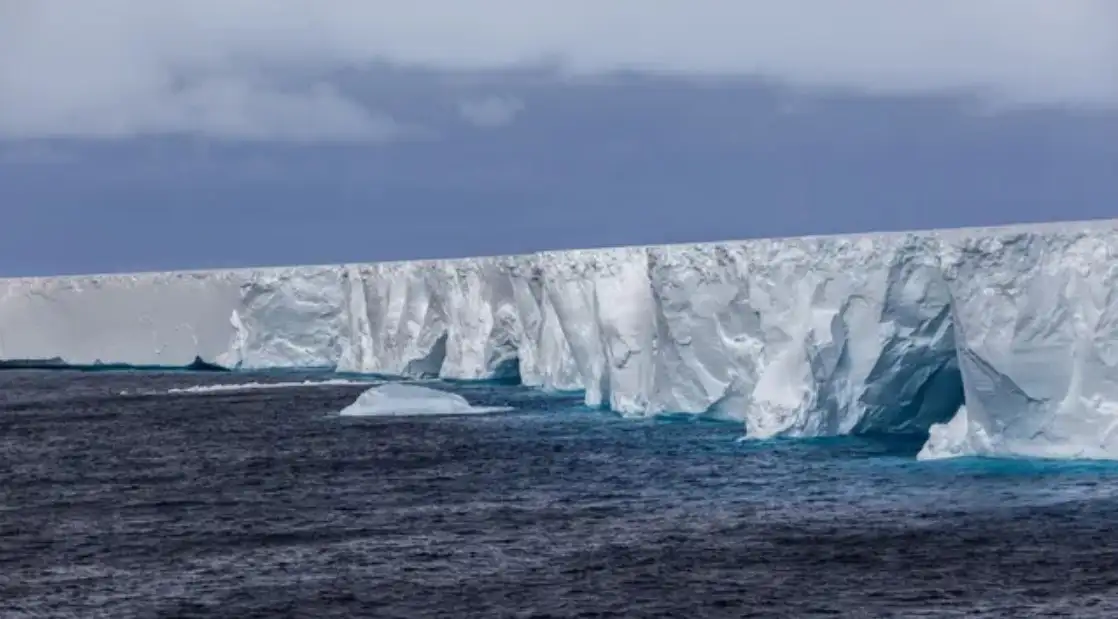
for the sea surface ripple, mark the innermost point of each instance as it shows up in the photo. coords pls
(122, 498)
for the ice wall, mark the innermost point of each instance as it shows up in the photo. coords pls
(804, 336)
(1036, 316)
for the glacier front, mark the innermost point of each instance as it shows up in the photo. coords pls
(811, 336)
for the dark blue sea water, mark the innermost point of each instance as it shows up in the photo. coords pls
(264, 503)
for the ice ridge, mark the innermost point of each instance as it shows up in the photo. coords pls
(809, 336)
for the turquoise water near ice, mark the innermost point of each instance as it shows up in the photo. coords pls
(125, 500)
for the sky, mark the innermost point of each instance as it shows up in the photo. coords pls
(166, 134)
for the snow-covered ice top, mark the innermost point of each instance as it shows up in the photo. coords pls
(794, 337)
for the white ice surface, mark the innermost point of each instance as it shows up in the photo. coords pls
(396, 400)
(793, 337)
(955, 438)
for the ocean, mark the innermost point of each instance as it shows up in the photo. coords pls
(124, 495)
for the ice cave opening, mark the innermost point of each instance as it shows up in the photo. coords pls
(431, 364)
(926, 396)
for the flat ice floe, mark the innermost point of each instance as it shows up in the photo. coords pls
(396, 400)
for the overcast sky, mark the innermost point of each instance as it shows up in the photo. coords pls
(150, 134)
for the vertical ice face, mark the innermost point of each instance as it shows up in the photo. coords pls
(463, 319)
(709, 338)
(570, 282)
(546, 359)
(820, 302)
(403, 330)
(290, 318)
(483, 330)
(602, 302)
(1037, 320)
(914, 380)
(792, 337)
(803, 337)
(144, 319)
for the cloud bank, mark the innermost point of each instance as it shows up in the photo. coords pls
(490, 112)
(253, 69)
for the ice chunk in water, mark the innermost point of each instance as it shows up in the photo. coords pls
(407, 400)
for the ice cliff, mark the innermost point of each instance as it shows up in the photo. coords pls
(883, 333)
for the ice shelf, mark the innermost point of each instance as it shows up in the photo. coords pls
(810, 336)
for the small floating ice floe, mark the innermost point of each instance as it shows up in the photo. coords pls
(396, 400)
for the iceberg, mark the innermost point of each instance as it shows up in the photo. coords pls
(397, 400)
(1014, 327)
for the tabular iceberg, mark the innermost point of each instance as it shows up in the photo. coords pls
(811, 336)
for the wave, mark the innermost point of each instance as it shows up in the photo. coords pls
(251, 386)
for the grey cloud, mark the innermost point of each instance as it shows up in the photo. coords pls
(224, 107)
(127, 67)
(490, 112)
